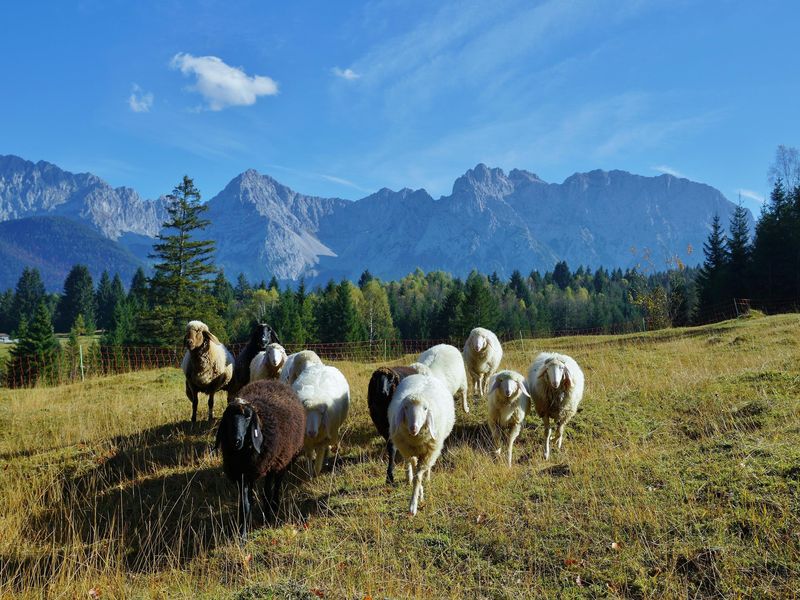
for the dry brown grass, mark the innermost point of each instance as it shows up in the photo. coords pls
(679, 478)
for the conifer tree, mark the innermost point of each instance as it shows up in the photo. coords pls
(27, 296)
(77, 299)
(138, 294)
(36, 339)
(480, 308)
(180, 289)
(241, 288)
(712, 278)
(6, 305)
(739, 252)
(104, 300)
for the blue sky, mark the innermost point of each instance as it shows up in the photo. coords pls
(343, 98)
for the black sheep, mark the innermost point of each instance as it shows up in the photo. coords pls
(261, 336)
(382, 385)
(260, 433)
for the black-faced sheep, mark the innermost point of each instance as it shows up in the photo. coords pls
(261, 336)
(555, 382)
(482, 355)
(260, 433)
(382, 384)
(207, 364)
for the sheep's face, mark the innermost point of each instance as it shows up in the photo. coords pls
(194, 338)
(387, 385)
(416, 414)
(556, 373)
(509, 388)
(262, 335)
(274, 356)
(239, 425)
(315, 422)
(479, 343)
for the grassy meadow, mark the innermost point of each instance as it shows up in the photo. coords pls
(679, 478)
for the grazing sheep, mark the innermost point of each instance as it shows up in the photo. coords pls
(555, 382)
(260, 337)
(421, 416)
(207, 364)
(446, 363)
(508, 403)
(325, 395)
(269, 363)
(482, 356)
(260, 433)
(381, 387)
(296, 364)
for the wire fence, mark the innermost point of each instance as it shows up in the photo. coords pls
(74, 364)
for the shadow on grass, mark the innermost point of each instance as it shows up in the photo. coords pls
(153, 501)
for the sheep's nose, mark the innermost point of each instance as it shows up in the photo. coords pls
(238, 443)
(413, 430)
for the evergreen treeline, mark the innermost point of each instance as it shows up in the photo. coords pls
(765, 268)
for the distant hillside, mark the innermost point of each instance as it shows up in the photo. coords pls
(53, 245)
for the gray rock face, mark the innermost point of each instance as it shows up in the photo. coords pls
(37, 189)
(491, 222)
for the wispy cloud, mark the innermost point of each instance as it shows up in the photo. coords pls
(750, 194)
(347, 74)
(313, 175)
(222, 85)
(140, 101)
(667, 170)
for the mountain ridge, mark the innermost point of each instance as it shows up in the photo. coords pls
(490, 221)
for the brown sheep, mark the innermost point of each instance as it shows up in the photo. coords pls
(207, 364)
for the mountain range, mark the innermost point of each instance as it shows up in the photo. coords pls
(492, 221)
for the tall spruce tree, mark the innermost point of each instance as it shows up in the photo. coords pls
(37, 339)
(739, 254)
(77, 299)
(138, 293)
(770, 263)
(27, 296)
(6, 306)
(104, 300)
(480, 307)
(180, 289)
(712, 278)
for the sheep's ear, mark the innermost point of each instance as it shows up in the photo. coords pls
(210, 336)
(567, 376)
(524, 389)
(431, 426)
(326, 423)
(493, 387)
(273, 337)
(399, 418)
(256, 437)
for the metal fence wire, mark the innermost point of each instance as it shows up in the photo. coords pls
(71, 365)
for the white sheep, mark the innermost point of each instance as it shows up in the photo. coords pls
(482, 356)
(296, 363)
(555, 382)
(269, 363)
(508, 403)
(325, 395)
(421, 416)
(207, 365)
(446, 363)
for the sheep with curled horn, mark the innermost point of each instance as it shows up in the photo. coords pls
(508, 403)
(207, 365)
(555, 382)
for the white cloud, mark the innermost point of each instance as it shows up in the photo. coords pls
(348, 74)
(751, 195)
(140, 101)
(667, 170)
(222, 85)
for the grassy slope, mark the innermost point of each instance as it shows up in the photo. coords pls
(685, 457)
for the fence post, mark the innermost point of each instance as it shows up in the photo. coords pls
(736, 307)
(80, 358)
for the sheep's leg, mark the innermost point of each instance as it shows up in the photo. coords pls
(512, 438)
(321, 452)
(417, 493)
(275, 497)
(211, 406)
(547, 432)
(245, 506)
(390, 469)
(463, 392)
(411, 465)
(493, 427)
(560, 439)
(192, 395)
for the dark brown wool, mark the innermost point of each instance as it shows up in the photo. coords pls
(283, 424)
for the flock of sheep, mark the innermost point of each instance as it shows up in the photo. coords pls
(281, 406)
